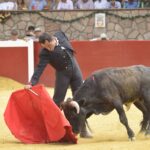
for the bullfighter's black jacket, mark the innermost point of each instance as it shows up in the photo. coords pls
(63, 61)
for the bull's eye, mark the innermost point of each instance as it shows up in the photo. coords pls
(72, 115)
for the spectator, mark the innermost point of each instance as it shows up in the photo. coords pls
(30, 33)
(37, 4)
(8, 5)
(114, 4)
(101, 4)
(27, 2)
(122, 2)
(14, 36)
(30, 30)
(52, 4)
(21, 5)
(144, 3)
(65, 4)
(131, 4)
(103, 36)
(84, 4)
(37, 33)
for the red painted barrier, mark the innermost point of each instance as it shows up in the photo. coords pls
(94, 55)
(100, 54)
(16, 60)
(14, 63)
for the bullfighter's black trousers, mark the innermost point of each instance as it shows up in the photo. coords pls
(71, 76)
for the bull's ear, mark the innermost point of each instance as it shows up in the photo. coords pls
(82, 102)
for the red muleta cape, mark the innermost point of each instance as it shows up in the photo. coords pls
(36, 118)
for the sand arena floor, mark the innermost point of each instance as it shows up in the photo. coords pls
(108, 132)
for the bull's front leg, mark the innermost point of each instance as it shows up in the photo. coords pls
(123, 119)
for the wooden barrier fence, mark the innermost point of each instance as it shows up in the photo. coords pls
(91, 55)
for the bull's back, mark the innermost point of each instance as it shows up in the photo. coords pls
(122, 73)
(123, 81)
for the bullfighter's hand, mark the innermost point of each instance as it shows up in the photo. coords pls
(28, 86)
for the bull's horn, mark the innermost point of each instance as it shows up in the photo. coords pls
(75, 105)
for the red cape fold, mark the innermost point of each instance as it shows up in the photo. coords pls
(36, 118)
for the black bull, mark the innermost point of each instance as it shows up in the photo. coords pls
(109, 89)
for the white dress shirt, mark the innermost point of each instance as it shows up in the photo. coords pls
(103, 4)
(65, 5)
(8, 6)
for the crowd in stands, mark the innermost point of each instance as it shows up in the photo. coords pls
(32, 33)
(71, 4)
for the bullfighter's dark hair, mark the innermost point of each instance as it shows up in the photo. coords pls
(44, 37)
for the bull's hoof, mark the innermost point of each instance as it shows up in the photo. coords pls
(132, 139)
(86, 135)
(147, 134)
